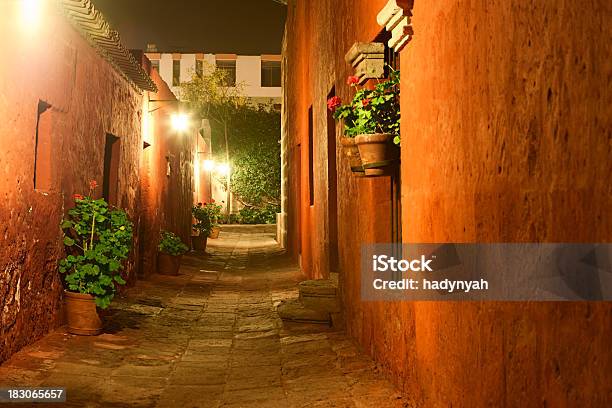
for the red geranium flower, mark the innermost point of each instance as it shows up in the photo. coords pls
(333, 103)
(212, 200)
(366, 102)
(352, 80)
(93, 184)
(78, 197)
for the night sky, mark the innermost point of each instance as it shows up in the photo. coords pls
(250, 27)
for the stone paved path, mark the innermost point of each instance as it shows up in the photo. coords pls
(207, 338)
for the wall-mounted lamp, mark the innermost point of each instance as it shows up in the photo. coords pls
(31, 13)
(180, 122)
(209, 165)
(223, 169)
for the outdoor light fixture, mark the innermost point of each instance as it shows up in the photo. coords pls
(223, 169)
(180, 122)
(209, 165)
(31, 11)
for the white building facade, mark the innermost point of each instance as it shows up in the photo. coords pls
(259, 75)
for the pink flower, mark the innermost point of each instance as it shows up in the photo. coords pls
(366, 102)
(93, 184)
(333, 103)
(352, 80)
(78, 197)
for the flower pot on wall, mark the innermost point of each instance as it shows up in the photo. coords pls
(351, 151)
(214, 234)
(376, 152)
(198, 242)
(82, 314)
(168, 264)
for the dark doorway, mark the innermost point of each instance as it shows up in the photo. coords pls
(311, 156)
(112, 151)
(332, 189)
(298, 196)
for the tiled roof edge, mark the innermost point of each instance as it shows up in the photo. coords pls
(92, 25)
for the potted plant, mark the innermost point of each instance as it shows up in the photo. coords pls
(202, 227)
(372, 121)
(97, 240)
(214, 211)
(171, 250)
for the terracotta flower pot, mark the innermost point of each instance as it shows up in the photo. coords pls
(214, 234)
(351, 151)
(375, 151)
(82, 314)
(168, 264)
(198, 242)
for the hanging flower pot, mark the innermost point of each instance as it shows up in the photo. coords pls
(351, 151)
(373, 119)
(375, 152)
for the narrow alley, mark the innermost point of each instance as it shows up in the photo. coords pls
(209, 337)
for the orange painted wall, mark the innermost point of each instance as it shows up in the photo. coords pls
(505, 138)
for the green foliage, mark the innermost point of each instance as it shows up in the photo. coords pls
(264, 215)
(97, 240)
(371, 110)
(207, 216)
(254, 143)
(171, 244)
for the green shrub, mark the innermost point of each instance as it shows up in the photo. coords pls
(97, 240)
(264, 215)
(171, 244)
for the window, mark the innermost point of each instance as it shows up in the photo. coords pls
(155, 65)
(311, 156)
(110, 185)
(229, 66)
(199, 68)
(176, 72)
(270, 73)
(43, 179)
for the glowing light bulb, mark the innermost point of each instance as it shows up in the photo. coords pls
(209, 165)
(180, 122)
(223, 169)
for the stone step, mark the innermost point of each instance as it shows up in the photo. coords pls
(319, 294)
(295, 311)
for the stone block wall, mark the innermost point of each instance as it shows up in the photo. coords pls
(505, 138)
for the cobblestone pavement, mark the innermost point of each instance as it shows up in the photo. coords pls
(207, 338)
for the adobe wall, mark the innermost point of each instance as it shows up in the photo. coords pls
(51, 62)
(506, 138)
(166, 195)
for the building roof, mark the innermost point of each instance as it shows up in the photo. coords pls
(92, 25)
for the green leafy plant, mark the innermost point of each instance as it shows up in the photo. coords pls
(171, 244)
(97, 240)
(264, 215)
(207, 217)
(371, 111)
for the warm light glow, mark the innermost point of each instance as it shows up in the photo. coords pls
(209, 165)
(31, 12)
(180, 122)
(223, 169)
